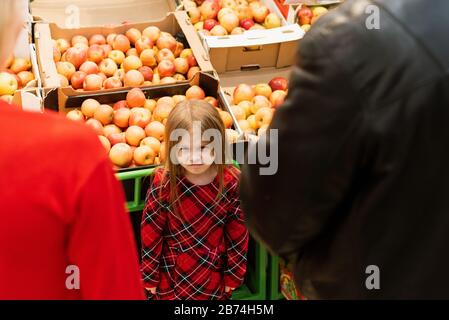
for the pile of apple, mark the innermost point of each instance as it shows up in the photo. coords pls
(222, 17)
(254, 106)
(307, 16)
(132, 59)
(132, 130)
(16, 76)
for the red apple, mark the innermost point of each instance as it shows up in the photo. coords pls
(79, 39)
(116, 138)
(166, 41)
(95, 125)
(89, 67)
(143, 43)
(121, 117)
(147, 73)
(192, 61)
(121, 42)
(277, 98)
(111, 129)
(107, 48)
(247, 23)
(76, 56)
(108, 67)
(209, 9)
(209, 24)
(120, 104)
(305, 15)
(121, 155)
(140, 117)
(77, 79)
(97, 39)
(212, 101)
(133, 78)
(165, 54)
(152, 32)
(243, 92)
(132, 63)
(278, 83)
(112, 82)
(133, 35)
(93, 82)
(195, 92)
(135, 98)
(95, 53)
(166, 68)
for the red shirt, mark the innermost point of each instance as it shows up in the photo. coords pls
(194, 257)
(61, 205)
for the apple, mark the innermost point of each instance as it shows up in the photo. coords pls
(166, 68)
(105, 142)
(95, 53)
(121, 117)
(76, 56)
(62, 45)
(93, 82)
(143, 43)
(212, 101)
(306, 27)
(243, 12)
(153, 143)
(121, 155)
(117, 56)
(165, 54)
(209, 24)
(95, 125)
(260, 13)
(319, 11)
(89, 67)
(195, 92)
(119, 104)
(110, 38)
(147, 73)
(246, 105)
(107, 48)
(247, 23)
(192, 61)
(111, 129)
(167, 100)
(56, 54)
(152, 32)
(89, 106)
(161, 112)
(20, 64)
(135, 98)
(150, 104)
(166, 41)
(229, 21)
(133, 78)
(121, 42)
(140, 117)
(79, 39)
(77, 79)
(168, 80)
(260, 102)
(104, 113)
(179, 48)
(133, 135)
(194, 15)
(112, 83)
(226, 117)
(257, 27)
(144, 156)
(278, 83)
(133, 35)
(66, 69)
(97, 39)
(264, 116)
(277, 98)
(75, 115)
(245, 126)
(243, 92)
(199, 26)
(252, 122)
(263, 89)
(238, 30)
(272, 21)
(103, 76)
(116, 138)
(8, 84)
(64, 82)
(192, 72)
(156, 130)
(305, 15)
(178, 77)
(218, 30)
(25, 77)
(239, 112)
(148, 58)
(120, 73)
(224, 11)
(186, 53)
(132, 63)
(181, 65)
(108, 67)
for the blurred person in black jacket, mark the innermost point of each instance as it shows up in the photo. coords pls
(361, 195)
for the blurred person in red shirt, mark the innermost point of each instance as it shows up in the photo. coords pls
(64, 230)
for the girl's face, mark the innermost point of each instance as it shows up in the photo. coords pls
(195, 157)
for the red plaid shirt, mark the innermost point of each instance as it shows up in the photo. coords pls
(195, 257)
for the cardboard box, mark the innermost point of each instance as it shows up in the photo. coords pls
(80, 13)
(44, 33)
(255, 48)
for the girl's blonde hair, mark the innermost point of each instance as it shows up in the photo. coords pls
(183, 115)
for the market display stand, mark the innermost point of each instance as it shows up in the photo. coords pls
(135, 184)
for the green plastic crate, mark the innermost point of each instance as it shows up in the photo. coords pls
(274, 276)
(255, 284)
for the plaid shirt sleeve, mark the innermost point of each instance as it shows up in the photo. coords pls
(153, 223)
(236, 240)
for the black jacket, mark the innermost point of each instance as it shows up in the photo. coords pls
(363, 175)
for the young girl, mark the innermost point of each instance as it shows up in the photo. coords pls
(194, 240)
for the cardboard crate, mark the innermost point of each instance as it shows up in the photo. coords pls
(80, 13)
(174, 23)
(255, 48)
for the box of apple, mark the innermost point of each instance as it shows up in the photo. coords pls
(253, 106)
(18, 75)
(223, 17)
(132, 130)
